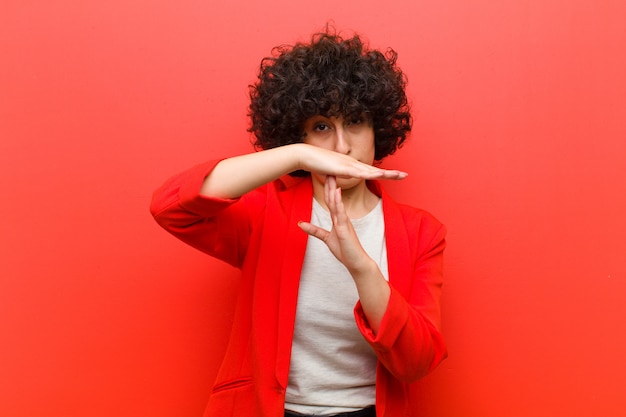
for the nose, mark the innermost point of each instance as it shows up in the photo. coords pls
(342, 140)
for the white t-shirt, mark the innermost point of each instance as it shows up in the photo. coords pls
(333, 369)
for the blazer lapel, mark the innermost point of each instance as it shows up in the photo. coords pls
(300, 197)
(398, 254)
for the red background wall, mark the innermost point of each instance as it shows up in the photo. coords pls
(519, 147)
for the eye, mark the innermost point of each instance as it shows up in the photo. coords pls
(321, 127)
(358, 120)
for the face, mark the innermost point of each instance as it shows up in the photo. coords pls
(352, 137)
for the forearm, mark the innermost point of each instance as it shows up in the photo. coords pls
(407, 344)
(233, 177)
(373, 292)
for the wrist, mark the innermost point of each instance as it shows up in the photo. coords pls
(364, 269)
(297, 151)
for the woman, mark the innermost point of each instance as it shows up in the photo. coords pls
(338, 306)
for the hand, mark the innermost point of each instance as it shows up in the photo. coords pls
(327, 162)
(341, 240)
(373, 289)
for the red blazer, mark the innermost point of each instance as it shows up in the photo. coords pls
(258, 234)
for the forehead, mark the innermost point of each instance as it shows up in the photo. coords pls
(356, 114)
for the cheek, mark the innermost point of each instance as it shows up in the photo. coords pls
(315, 142)
(369, 148)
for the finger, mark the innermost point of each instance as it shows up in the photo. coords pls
(392, 174)
(314, 231)
(329, 187)
(364, 171)
(338, 211)
(337, 201)
(376, 172)
(331, 202)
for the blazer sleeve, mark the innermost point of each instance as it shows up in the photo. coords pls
(409, 343)
(218, 227)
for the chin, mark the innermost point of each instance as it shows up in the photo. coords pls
(349, 183)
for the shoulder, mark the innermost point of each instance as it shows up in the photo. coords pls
(419, 216)
(280, 197)
(420, 226)
(421, 222)
(412, 215)
(280, 188)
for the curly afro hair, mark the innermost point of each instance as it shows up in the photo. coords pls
(330, 76)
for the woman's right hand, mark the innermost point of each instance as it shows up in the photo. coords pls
(326, 162)
(233, 177)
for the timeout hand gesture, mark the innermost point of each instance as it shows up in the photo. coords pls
(328, 162)
(341, 240)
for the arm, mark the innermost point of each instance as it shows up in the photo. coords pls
(409, 343)
(188, 203)
(344, 244)
(400, 327)
(236, 176)
(216, 226)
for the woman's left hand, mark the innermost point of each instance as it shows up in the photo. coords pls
(344, 244)
(342, 240)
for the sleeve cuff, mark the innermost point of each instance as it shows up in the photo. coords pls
(391, 325)
(189, 191)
